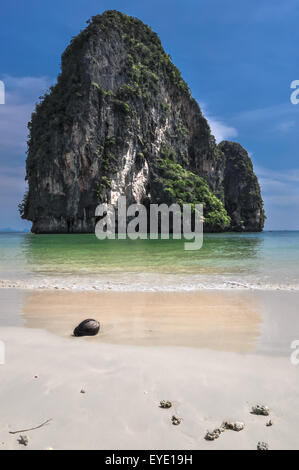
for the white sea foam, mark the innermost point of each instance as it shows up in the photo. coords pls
(141, 283)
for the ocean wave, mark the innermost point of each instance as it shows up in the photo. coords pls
(168, 284)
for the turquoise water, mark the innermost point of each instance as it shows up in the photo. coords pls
(267, 260)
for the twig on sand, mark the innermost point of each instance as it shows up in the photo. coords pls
(31, 429)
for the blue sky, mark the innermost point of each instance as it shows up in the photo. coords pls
(238, 57)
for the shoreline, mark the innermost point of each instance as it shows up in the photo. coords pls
(173, 285)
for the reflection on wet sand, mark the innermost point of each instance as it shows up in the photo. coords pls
(214, 320)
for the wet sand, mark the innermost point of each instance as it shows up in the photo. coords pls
(214, 354)
(214, 320)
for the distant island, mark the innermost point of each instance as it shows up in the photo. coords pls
(122, 121)
(12, 230)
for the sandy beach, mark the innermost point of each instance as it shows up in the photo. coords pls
(225, 353)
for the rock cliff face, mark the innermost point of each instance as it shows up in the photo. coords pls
(243, 199)
(121, 121)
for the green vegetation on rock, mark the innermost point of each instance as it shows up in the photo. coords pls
(104, 184)
(147, 62)
(185, 187)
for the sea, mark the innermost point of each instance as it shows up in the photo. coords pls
(265, 261)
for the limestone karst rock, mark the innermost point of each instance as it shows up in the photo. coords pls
(243, 199)
(121, 121)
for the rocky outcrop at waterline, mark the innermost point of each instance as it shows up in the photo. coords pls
(242, 194)
(121, 121)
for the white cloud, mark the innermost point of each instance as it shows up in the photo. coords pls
(285, 201)
(221, 131)
(20, 98)
(275, 10)
(12, 189)
(12, 179)
(286, 126)
(25, 89)
(282, 118)
(13, 127)
(281, 196)
(21, 95)
(280, 189)
(288, 176)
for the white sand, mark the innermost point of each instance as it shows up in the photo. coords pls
(125, 382)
